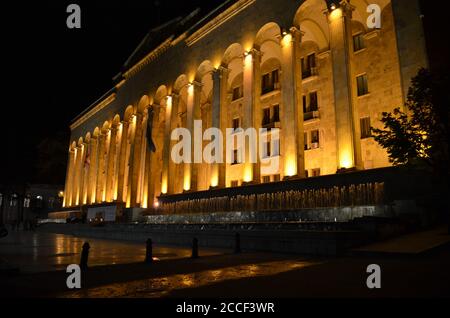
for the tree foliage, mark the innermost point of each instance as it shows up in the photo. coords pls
(419, 135)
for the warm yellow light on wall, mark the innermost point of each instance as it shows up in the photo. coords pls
(190, 89)
(287, 39)
(247, 59)
(187, 180)
(214, 179)
(156, 204)
(164, 186)
(291, 167)
(248, 173)
(346, 160)
(336, 13)
(216, 62)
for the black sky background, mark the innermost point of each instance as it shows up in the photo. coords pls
(52, 73)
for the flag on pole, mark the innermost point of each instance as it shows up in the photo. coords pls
(150, 144)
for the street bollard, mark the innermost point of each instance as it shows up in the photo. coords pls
(194, 248)
(237, 243)
(149, 252)
(84, 256)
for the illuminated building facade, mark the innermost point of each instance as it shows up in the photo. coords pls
(312, 68)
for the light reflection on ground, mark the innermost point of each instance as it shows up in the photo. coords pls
(162, 286)
(42, 252)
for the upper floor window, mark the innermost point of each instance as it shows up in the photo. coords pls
(314, 140)
(365, 127)
(276, 113)
(238, 92)
(362, 85)
(310, 106)
(358, 42)
(271, 115)
(309, 65)
(269, 82)
(315, 137)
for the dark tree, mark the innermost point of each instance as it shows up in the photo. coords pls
(419, 135)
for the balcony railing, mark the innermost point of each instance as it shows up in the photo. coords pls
(309, 72)
(311, 115)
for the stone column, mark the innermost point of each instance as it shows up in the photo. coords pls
(129, 161)
(135, 168)
(166, 147)
(219, 116)
(86, 168)
(347, 121)
(92, 187)
(153, 174)
(193, 113)
(77, 176)
(115, 179)
(82, 174)
(111, 162)
(252, 110)
(122, 161)
(172, 168)
(142, 188)
(101, 167)
(292, 114)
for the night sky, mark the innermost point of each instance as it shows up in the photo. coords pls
(54, 73)
(51, 73)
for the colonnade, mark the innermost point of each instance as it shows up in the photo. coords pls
(114, 164)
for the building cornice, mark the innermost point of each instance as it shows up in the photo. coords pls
(218, 21)
(102, 104)
(149, 58)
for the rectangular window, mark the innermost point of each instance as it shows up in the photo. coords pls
(306, 173)
(266, 149)
(308, 65)
(358, 42)
(314, 139)
(236, 123)
(237, 92)
(266, 179)
(234, 183)
(313, 104)
(276, 177)
(365, 127)
(269, 82)
(276, 113)
(315, 172)
(361, 82)
(266, 116)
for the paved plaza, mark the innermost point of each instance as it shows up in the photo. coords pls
(117, 270)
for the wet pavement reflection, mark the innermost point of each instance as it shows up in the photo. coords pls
(163, 286)
(41, 252)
